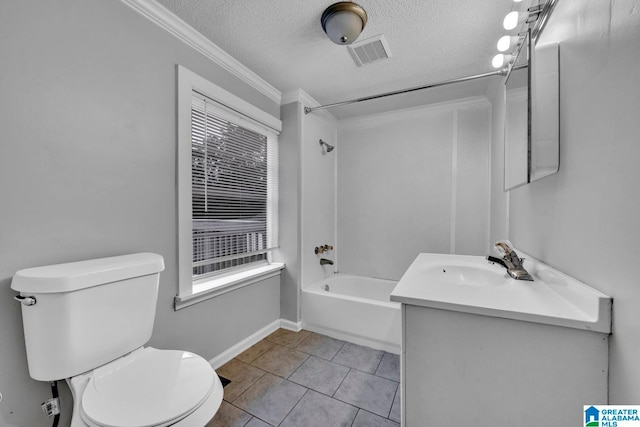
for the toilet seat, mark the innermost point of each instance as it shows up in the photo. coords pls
(149, 387)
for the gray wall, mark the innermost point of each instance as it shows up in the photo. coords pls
(584, 220)
(87, 169)
(290, 209)
(412, 181)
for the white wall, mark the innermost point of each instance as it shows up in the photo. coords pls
(413, 181)
(499, 218)
(307, 193)
(88, 169)
(584, 220)
(318, 194)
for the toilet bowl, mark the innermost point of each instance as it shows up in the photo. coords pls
(87, 322)
(148, 387)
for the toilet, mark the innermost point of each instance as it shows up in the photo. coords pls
(87, 322)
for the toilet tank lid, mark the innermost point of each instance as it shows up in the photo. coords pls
(73, 276)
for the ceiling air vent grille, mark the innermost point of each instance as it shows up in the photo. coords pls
(371, 50)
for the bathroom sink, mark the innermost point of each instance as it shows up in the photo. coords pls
(467, 275)
(471, 284)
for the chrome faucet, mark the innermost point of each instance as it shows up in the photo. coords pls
(324, 261)
(510, 261)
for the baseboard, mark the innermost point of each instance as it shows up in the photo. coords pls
(291, 326)
(252, 339)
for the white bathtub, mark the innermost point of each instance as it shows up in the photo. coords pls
(355, 309)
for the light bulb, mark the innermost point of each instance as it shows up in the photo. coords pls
(507, 42)
(500, 60)
(511, 20)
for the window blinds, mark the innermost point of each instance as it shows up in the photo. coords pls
(234, 178)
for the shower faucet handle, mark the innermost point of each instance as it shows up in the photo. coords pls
(322, 249)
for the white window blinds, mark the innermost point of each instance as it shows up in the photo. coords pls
(234, 174)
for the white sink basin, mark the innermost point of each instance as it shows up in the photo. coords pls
(467, 275)
(471, 284)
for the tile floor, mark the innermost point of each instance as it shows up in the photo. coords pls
(304, 379)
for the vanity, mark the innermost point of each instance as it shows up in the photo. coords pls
(482, 349)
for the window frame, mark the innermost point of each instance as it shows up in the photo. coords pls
(190, 291)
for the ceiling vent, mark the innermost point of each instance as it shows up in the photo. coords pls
(370, 50)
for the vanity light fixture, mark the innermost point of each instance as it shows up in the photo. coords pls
(343, 22)
(509, 44)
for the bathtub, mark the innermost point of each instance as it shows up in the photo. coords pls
(355, 309)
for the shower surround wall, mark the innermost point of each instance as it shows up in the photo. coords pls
(412, 181)
(307, 198)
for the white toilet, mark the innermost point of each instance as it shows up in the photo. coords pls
(87, 322)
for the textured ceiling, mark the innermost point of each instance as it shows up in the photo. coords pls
(282, 41)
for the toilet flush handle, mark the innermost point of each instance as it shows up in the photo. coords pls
(25, 300)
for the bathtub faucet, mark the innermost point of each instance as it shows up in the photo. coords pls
(324, 261)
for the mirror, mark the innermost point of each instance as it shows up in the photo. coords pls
(532, 114)
(545, 111)
(516, 121)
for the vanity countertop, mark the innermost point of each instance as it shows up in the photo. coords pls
(471, 284)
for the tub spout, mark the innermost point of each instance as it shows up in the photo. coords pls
(324, 261)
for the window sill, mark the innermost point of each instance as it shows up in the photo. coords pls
(212, 288)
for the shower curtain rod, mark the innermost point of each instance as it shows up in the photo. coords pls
(501, 72)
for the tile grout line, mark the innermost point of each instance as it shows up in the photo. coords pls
(354, 418)
(340, 385)
(300, 366)
(392, 401)
(250, 385)
(379, 363)
(294, 406)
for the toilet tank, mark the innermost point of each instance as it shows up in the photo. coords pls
(87, 313)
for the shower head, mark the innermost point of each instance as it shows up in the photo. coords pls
(329, 148)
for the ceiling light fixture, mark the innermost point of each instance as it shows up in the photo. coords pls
(343, 22)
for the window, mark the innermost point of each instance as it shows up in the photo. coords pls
(227, 190)
(234, 174)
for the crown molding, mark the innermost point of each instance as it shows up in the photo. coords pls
(300, 96)
(165, 19)
(307, 100)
